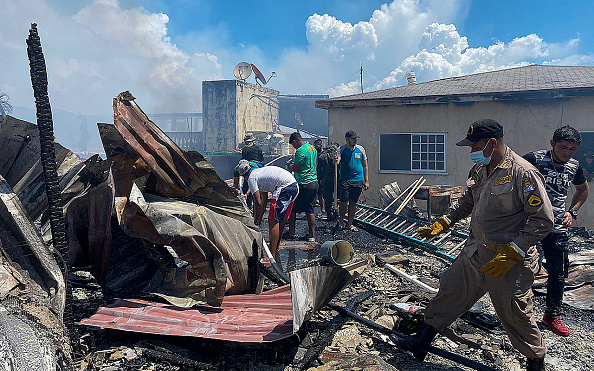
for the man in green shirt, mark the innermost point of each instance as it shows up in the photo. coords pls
(244, 187)
(304, 167)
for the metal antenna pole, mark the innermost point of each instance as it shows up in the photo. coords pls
(361, 72)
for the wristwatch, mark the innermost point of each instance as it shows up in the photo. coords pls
(573, 213)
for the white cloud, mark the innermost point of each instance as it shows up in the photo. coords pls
(444, 40)
(402, 36)
(103, 48)
(100, 51)
(345, 89)
(444, 53)
(391, 34)
(340, 40)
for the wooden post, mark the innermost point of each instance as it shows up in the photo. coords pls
(413, 184)
(335, 185)
(410, 196)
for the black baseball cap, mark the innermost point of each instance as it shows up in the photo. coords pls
(351, 134)
(481, 129)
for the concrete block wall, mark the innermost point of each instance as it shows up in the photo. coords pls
(232, 108)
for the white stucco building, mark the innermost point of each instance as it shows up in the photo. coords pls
(412, 130)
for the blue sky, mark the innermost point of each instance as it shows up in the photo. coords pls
(272, 25)
(162, 50)
(275, 25)
(554, 21)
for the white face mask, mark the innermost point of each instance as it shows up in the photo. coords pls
(478, 156)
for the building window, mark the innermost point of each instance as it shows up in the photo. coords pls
(413, 152)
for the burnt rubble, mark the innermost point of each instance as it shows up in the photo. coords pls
(123, 263)
(330, 341)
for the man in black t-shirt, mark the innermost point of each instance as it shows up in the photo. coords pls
(326, 178)
(560, 170)
(318, 145)
(588, 165)
(251, 151)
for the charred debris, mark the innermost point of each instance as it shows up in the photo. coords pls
(161, 250)
(147, 260)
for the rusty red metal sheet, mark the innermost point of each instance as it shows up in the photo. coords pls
(582, 298)
(249, 318)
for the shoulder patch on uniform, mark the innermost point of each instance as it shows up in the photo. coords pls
(528, 185)
(534, 200)
(503, 180)
(477, 177)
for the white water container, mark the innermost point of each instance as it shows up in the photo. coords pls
(337, 252)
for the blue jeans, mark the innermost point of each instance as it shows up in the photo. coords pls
(554, 247)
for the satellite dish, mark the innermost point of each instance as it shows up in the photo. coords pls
(259, 75)
(242, 71)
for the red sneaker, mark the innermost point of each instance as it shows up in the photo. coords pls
(556, 325)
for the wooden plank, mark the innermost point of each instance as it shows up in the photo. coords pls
(412, 185)
(410, 196)
(11, 210)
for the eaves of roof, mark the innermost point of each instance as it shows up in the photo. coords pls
(518, 83)
(455, 98)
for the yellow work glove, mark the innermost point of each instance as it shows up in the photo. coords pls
(440, 226)
(506, 257)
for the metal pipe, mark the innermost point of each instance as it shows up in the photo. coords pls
(412, 279)
(456, 247)
(412, 194)
(388, 226)
(408, 228)
(410, 186)
(274, 264)
(443, 237)
(395, 335)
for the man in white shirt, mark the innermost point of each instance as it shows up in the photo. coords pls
(284, 189)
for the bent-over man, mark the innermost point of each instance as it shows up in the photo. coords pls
(244, 186)
(284, 189)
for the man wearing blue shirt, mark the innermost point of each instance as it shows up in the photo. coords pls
(353, 179)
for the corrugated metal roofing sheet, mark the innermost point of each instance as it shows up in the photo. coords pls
(247, 318)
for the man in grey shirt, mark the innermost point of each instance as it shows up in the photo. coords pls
(284, 189)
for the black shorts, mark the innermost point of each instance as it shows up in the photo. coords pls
(350, 190)
(321, 187)
(306, 200)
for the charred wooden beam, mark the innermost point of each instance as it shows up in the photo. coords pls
(45, 125)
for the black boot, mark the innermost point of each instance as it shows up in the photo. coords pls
(418, 344)
(535, 364)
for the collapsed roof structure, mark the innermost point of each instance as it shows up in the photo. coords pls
(152, 221)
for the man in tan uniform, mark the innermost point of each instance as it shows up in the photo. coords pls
(510, 212)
